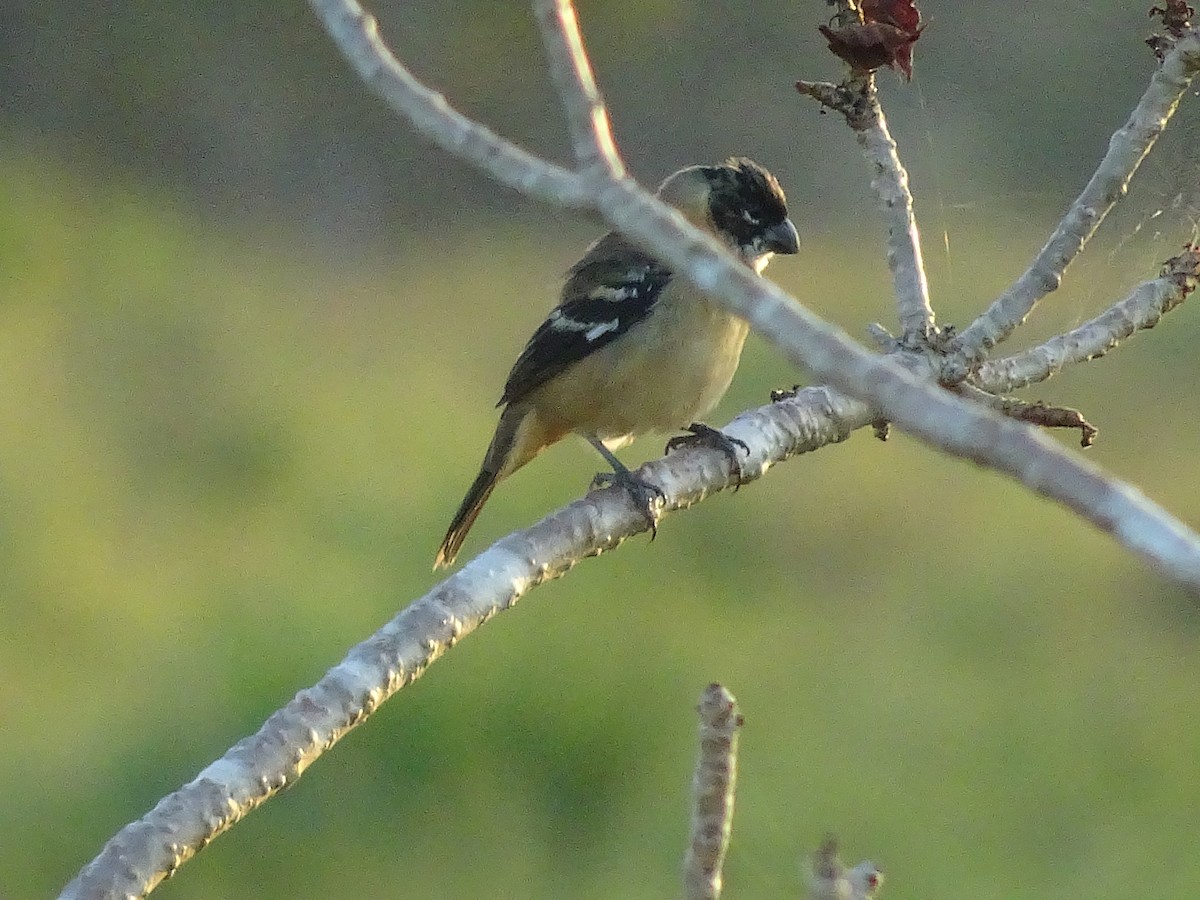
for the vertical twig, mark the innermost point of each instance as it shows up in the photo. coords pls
(712, 794)
(905, 261)
(858, 102)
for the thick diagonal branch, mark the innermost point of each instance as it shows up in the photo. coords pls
(904, 398)
(149, 850)
(1126, 150)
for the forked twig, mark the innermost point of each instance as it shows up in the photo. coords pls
(356, 34)
(829, 879)
(1126, 150)
(1143, 308)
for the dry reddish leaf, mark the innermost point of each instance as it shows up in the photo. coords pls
(868, 46)
(901, 13)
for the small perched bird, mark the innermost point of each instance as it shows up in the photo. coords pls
(632, 348)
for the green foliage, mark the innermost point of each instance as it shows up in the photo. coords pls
(227, 456)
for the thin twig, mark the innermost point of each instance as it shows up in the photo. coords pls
(1126, 150)
(712, 794)
(903, 237)
(858, 101)
(571, 71)
(1036, 412)
(1148, 303)
(357, 36)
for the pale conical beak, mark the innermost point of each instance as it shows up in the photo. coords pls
(782, 238)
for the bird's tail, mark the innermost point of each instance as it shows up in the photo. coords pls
(519, 438)
(468, 511)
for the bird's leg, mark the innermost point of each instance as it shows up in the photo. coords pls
(705, 436)
(646, 496)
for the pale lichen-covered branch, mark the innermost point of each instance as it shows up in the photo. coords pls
(1143, 308)
(1126, 150)
(858, 101)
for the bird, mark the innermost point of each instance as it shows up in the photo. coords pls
(632, 347)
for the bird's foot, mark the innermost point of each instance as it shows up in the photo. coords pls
(648, 498)
(705, 436)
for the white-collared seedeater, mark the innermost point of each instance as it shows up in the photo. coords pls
(631, 348)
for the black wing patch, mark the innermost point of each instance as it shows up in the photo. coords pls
(610, 290)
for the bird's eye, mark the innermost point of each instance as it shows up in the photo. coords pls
(750, 218)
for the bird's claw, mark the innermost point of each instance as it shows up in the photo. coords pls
(648, 498)
(702, 435)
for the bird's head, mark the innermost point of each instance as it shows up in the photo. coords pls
(739, 201)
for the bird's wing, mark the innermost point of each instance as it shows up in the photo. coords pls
(610, 290)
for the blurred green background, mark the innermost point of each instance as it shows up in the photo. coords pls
(251, 331)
